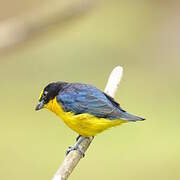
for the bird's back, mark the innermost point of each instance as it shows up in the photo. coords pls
(83, 98)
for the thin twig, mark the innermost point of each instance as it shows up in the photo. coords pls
(73, 158)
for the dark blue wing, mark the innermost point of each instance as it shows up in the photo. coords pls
(83, 98)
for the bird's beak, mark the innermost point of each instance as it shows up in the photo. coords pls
(40, 105)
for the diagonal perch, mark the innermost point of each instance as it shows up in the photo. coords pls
(73, 158)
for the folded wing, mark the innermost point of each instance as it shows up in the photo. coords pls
(83, 98)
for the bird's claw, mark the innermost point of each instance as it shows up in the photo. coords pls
(72, 148)
(78, 138)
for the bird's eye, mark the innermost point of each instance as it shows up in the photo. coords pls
(44, 97)
(45, 92)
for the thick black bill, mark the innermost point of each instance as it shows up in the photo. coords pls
(40, 105)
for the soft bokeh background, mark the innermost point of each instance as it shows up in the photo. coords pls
(143, 37)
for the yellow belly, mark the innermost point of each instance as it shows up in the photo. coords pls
(84, 124)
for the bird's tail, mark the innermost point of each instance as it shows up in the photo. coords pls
(130, 117)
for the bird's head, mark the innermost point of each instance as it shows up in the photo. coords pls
(48, 93)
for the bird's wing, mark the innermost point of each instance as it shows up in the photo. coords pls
(82, 98)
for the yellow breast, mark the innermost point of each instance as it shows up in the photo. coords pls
(84, 124)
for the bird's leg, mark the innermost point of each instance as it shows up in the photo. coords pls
(80, 139)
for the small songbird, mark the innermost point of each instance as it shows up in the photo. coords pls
(84, 108)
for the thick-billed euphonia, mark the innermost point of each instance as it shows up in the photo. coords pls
(84, 108)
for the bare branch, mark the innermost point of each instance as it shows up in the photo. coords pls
(114, 81)
(73, 158)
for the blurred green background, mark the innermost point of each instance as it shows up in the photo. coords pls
(141, 36)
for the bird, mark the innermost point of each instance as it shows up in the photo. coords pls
(84, 108)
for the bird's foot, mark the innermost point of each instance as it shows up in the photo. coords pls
(78, 138)
(75, 148)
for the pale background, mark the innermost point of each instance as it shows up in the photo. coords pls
(143, 37)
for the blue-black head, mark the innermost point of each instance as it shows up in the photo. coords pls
(49, 93)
